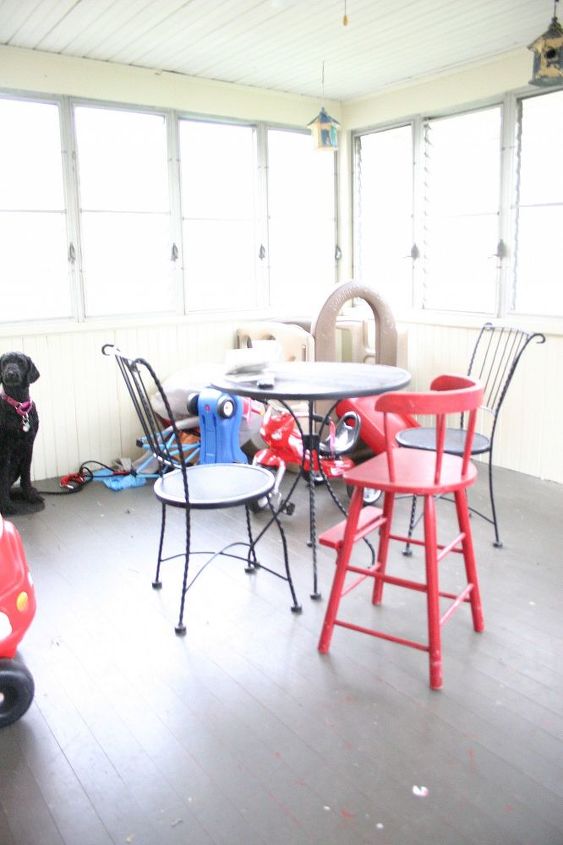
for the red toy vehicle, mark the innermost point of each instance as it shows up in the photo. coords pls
(285, 446)
(373, 433)
(356, 418)
(17, 609)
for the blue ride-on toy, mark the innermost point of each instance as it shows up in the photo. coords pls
(220, 416)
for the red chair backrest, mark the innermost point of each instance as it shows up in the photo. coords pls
(448, 394)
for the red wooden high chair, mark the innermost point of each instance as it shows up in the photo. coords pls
(422, 473)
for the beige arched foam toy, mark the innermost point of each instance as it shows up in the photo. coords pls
(323, 327)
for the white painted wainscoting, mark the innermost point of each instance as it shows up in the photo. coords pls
(84, 409)
(527, 438)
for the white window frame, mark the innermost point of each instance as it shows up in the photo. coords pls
(66, 105)
(261, 204)
(263, 140)
(510, 107)
(356, 214)
(70, 103)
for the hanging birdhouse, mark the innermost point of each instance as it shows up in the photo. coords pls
(324, 130)
(548, 56)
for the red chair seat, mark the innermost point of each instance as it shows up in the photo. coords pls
(415, 472)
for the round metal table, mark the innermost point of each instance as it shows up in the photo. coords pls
(316, 380)
(313, 381)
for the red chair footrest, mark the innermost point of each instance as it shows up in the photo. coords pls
(370, 518)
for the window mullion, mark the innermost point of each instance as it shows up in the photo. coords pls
(337, 251)
(418, 212)
(262, 228)
(356, 164)
(72, 202)
(176, 234)
(507, 211)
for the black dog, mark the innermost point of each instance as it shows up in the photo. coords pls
(18, 426)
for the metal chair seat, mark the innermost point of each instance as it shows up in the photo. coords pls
(425, 438)
(215, 486)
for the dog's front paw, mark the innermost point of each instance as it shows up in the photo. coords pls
(34, 496)
(7, 509)
(26, 493)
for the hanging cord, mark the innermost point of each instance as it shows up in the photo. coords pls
(75, 481)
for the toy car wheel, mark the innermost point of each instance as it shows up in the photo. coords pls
(16, 691)
(318, 477)
(192, 404)
(258, 505)
(262, 504)
(225, 407)
(370, 495)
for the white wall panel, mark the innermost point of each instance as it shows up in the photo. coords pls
(84, 409)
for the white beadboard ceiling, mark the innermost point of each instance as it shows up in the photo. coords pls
(281, 44)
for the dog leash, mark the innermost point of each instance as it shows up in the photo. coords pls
(21, 408)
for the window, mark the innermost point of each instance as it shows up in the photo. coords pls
(384, 214)
(538, 286)
(121, 211)
(301, 222)
(218, 189)
(481, 249)
(461, 211)
(33, 238)
(127, 259)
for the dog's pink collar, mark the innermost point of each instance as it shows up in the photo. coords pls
(21, 408)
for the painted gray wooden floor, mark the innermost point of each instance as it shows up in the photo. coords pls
(241, 732)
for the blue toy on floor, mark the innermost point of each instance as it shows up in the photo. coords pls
(220, 416)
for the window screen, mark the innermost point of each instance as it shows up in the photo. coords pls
(218, 189)
(33, 238)
(540, 206)
(461, 211)
(301, 222)
(124, 212)
(384, 214)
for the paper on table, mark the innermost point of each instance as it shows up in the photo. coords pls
(253, 359)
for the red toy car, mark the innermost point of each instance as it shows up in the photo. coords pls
(17, 609)
(356, 418)
(285, 446)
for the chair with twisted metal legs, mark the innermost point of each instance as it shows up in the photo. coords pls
(413, 471)
(496, 354)
(199, 487)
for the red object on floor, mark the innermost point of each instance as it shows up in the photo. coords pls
(372, 430)
(17, 594)
(426, 474)
(285, 446)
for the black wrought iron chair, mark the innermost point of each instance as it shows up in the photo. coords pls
(494, 359)
(198, 487)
